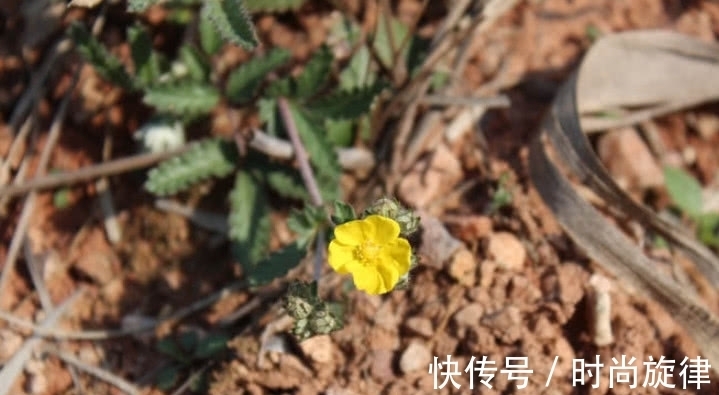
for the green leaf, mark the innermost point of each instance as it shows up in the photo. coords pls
(210, 39)
(188, 341)
(388, 39)
(107, 66)
(306, 222)
(358, 72)
(169, 347)
(684, 190)
(209, 158)
(62, 198)
(197, 66)
(343, 212)
(322, 155)
(184, 99)
(167, 377)
(286, 182)
(231, 20)
(249, 220)
(147, 65)
(313, 78)
(340, 133)
(273, 5)
(316, 73)
(269, 114)
(139, 5)
(708, 229)
(211, 345)
(277, 264)
(243, 82)
(346, 104)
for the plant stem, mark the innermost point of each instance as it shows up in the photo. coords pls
(307, 175)
(300, 153)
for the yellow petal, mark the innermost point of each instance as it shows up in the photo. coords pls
(401, 253)
(383, 229)
(353, 232)
(368, 280)
(339, 255)
(388, 273)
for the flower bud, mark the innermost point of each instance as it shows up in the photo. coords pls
(300, 300)
(408, 221)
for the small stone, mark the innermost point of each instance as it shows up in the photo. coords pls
(420, 326)
(386, 318)
(99, 266)
(10, 342)
(469, 315)
(415, 357)
(318, 349)
(629, 160)
(431, 178)
(381, 368)
(507, 251)
(463, 267)
(505, 324)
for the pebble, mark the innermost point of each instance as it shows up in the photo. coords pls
(469, 315)
(381, 368)
(420, 326)
(415, 357)
(629, 160)
(463, 267)
(318, 349)
(506, 249)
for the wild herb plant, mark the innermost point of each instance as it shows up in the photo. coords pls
(329, 103)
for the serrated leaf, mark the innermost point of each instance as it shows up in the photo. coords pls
(277, 264)
(322, 154)
(316, 73)
(210, 39)
(209, 158)
(685, 190)
(346, 104)
(287, 183)
(343, 212)
(197, 67)
(211, 345)
(106, 65)
(273, 5)
(231, 20)
(243, 82)
(147, 66)
(184, 99)
(139, 5)
(313, 78)
(249, 220)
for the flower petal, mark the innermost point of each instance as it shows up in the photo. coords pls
(388, 273)
(340, 256)
(383, 229)
(353, 232)
(401, 253)
(368, 280)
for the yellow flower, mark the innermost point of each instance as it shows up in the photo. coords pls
(372, 251)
